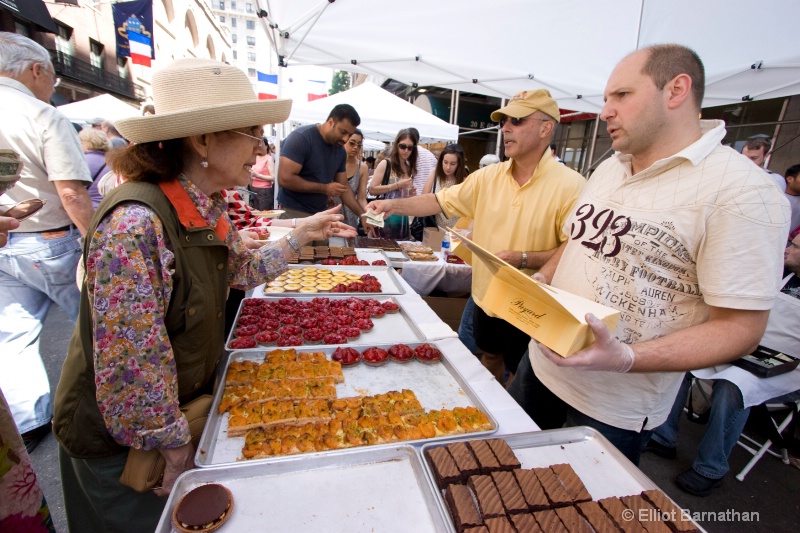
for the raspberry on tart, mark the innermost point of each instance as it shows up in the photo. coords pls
(267, 338)
(290, 340)
(335, 338)
(245, 331)
(375, 356)
(364, 324)
(243, 343)
(390, 307)
(291, 330)
(313, 335)
(425, 353)
(350, 332)
(376, 311)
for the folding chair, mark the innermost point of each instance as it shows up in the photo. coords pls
(764, 417)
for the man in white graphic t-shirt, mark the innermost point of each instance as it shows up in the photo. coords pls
(682, 235)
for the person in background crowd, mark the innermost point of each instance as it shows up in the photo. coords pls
(370, 165)
(519, 208)
(95, 146)
(23, 506)
(728, 414)
(793, 193)
(756, 150)
(38, 266)
(425, 164)
(397, 170)
(312, 166)
(357, 176)
(162, 239)
(113, 135)
(262, 191)
(97, 123)
(661, 259)
(450, 170)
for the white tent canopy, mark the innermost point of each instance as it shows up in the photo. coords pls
(382, 114)
(104, 106)
(569, 47)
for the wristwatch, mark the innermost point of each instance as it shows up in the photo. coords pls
(524, 263)
(292, 241)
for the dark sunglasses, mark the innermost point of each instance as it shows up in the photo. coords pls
(514, 121)
(405, 146)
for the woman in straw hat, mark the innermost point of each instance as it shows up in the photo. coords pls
(160, 256)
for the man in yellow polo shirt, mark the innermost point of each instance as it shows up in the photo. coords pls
(519, 207)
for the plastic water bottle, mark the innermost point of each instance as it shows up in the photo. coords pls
(446, 245)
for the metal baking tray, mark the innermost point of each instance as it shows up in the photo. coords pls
(383, 490)
(437, 386)
(391, 327)
(386, 275)
(602, 468)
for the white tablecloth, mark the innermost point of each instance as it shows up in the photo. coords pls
(425, 276)
(755, 390)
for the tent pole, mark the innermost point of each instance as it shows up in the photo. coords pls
(588, 160)
(452, 104)
(499, 135)
(455, 111)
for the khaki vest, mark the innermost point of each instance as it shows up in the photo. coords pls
(195, 318)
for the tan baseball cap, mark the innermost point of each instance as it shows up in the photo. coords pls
(524, 103)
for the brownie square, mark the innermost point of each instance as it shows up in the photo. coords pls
(649, 516)
(476, 529)
(443, 467)
(526, 523)
(484, 456)
(510, 493)
(532, 490)
(488, 498)
(501, 524)
(573, 520)
(505, 456)
(677, 521)
(465, 461)
(615, 508)
(597, 517)
(556, 493)
(462, 507)
(572, 483)
(549, 521)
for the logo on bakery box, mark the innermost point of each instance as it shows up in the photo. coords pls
(524, 312)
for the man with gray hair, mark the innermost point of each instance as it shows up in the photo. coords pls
(38, 265)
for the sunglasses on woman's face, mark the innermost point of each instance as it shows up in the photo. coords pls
(22, 210)
(405, 146)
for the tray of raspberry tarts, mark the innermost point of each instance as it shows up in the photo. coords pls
(279, 322)
(556, 481)
(279, 403)
(378, 489)
(299, 280)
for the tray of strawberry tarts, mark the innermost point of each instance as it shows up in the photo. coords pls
(310, 280)
(279, 403)
(281, 322)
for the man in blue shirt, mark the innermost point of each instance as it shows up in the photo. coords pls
(312, 165)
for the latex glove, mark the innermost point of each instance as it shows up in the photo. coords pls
(539, 278)
(605, 353)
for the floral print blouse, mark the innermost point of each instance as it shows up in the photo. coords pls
(129, 279)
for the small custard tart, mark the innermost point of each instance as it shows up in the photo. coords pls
(308, 289)
(291, 287)
(274, 289)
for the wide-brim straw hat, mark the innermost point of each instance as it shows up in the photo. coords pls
(197, 96)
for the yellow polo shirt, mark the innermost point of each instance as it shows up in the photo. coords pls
(510, 217)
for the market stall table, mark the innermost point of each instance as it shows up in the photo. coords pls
(426, 276)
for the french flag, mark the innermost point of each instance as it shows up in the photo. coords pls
(141, 48)
(267, 86)
(316, 90)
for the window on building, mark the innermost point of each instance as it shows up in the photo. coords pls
(222, 4)
(234, 38)
(222, 18)
(233, 4)
(251, 40)
(251, 24)
(251, 56)
(233, 22)
(248, 8)
(96, 54)
(122, 67)
(64, 44)
(251, 72)
(22, 28)
(235, 54)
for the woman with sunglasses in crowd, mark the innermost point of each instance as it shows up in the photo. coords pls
(451, 169)
(394, 178)
(357, 177)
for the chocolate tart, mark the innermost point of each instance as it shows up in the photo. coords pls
(203, 509)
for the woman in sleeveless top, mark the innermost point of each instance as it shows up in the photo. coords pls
(450, 170)
(357, 177)
(401, 162)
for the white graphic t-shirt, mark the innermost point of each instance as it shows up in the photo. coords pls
(702, 227)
